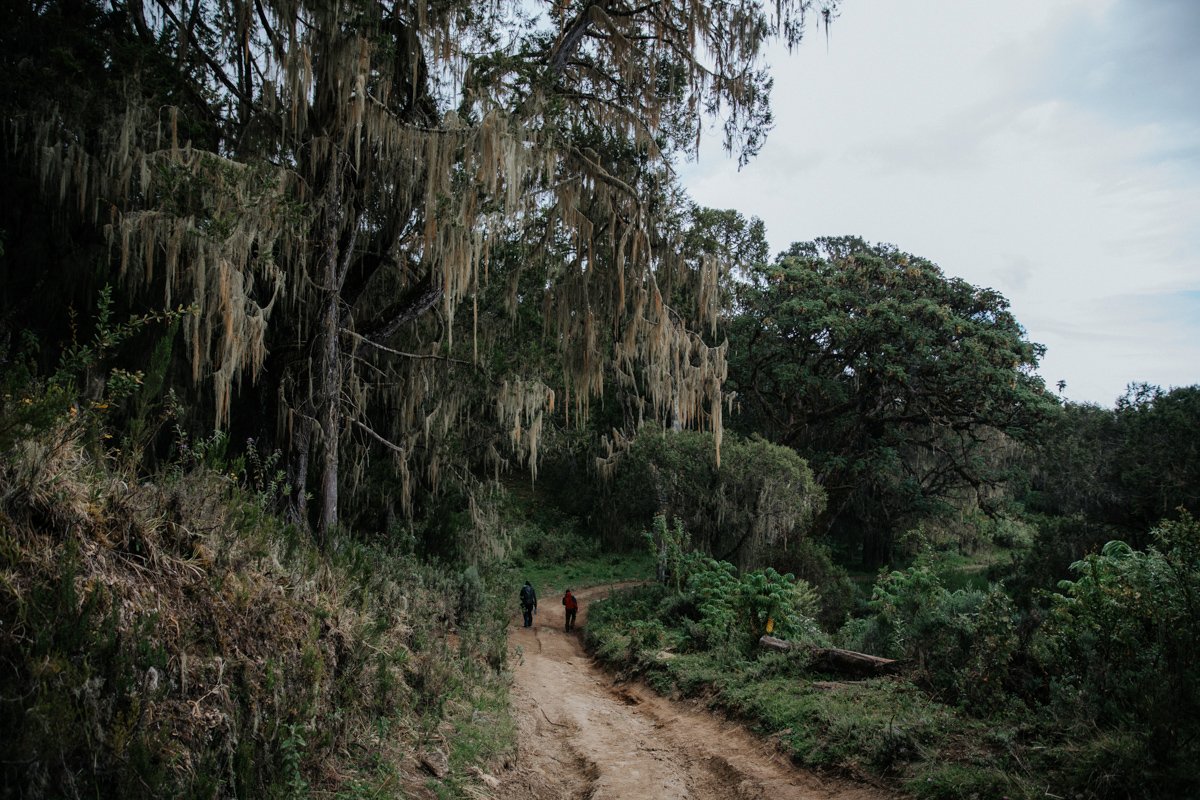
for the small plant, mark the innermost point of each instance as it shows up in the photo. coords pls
(669, 545)
(80, 392)
(291, 749)
(740, 609)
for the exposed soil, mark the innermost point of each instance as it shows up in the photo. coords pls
(583, 735)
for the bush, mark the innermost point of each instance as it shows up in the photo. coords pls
(961, 641)
(761, 497)
(812, 562)
(738, 609)
(172, 638)
(1120, 641)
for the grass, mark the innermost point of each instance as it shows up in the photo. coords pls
(590, 570)
(171, 637)
(550, 552)
(883, 729)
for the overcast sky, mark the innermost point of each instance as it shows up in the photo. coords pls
(1049, 149)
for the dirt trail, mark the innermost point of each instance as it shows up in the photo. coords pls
(584, 736)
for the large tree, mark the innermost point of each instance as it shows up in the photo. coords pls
(761, 498)
(902, 387)
(1130, 466)
(328, 182)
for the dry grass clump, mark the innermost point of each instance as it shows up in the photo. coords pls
(172, 638)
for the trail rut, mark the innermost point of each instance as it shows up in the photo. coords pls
(583, 736)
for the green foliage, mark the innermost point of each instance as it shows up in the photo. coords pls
(812, 562)
(291, 748)
(738, 608)
(82, 392)
(760, 497)
(1073, 466)
(1158, 464)
(1058, 542)
(961, 642)
(174, 638)
(1126, 467)
(886, 728)
(669, 545)
(210, 178)
(471, 593)
(730, 608)
(1094, 697)
(902, 387)
(1121, 638)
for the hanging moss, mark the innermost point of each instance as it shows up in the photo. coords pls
(374, 152)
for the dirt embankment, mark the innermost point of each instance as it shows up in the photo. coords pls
(584, 736)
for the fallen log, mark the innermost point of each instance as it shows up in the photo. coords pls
(771, 643)
(835, 659)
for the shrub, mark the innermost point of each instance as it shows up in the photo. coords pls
(1121, 639)
(759, 498)
(961, 641)
(739, 609)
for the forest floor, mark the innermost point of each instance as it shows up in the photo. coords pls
(584, 735)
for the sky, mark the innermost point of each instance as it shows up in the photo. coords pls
(1048, 149)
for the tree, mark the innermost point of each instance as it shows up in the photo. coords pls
(1130, 466)
(328, 182)
(760, 497)
(1158, 462)
(1119, 645)
(903, 388)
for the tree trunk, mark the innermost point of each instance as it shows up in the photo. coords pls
(849, 662)
(330, 377)
(328, 350)
(835, 659)
(773, 643)
(298, 447)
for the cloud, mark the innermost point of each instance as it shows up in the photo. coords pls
(1137, 61)
(1045, 149)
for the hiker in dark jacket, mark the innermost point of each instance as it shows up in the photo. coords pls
(528, 603)
(570, 606)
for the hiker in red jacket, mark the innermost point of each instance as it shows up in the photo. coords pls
(571, 605)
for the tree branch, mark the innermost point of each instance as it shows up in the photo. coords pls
(416, 302)
(571, 39)
(386, 349)
(380, 439)
(218, 72)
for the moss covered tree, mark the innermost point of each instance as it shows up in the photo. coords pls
(328, 183)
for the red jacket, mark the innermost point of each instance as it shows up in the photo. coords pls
(570, 602)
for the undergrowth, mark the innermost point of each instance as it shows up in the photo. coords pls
(882, 728)
(549, 551)
(173, 638)
(1091, 695)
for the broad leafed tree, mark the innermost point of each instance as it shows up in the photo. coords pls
(905, 389)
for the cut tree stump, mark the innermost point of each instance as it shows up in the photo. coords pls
(835, 659)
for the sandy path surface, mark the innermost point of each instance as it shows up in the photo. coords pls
(584, 736)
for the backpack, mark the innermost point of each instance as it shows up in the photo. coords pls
(527, 595)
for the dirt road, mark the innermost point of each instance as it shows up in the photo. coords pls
(583, 736)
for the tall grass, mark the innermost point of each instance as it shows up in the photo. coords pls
(171, 637)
